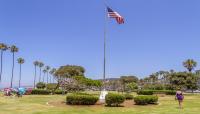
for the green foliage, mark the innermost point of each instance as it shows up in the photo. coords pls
(170, 92)
(128, 96)
(40, 85)
(145, 92)
(151, 92)
(184, 80)
(69, 71)
(60, 92)
(131, 86)
(190, 64)
(81, 99)
(127, 80)
(114, 99)
(87, 81)
(51, 86)
(153, 86)
(144, 100)
(40, 92)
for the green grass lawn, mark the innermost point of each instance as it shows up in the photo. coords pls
(37, 104)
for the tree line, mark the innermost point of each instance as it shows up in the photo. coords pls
(13, 50)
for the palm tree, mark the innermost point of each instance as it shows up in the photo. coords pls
(20, 61)
(36, 63)
(3, 47)
(53, 70)
(44, 71)
(13, 50)
(40, 66)
(47, 69)
(190, 64)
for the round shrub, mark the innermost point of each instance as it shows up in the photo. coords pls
(144, 100)
(145, 92)
(81, 99)
(51, 86)
(40, 85)
(114, 99)
(128, 96)
(40, 92)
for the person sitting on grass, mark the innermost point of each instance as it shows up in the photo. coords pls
(179, 96)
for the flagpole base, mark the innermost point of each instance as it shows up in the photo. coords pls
(102, 96)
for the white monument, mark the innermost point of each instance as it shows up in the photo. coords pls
(103, 96)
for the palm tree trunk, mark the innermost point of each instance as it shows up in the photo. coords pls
(43, 78)
(47, 78)
(1, 64)
(35, 77)
(20, 75)
(50, 79)
(40, 75)
(11, 85)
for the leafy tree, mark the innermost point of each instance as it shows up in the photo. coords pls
(3, 47)
(70, 70)
(184, 80)
(13, 50)
(190, 64)
(41, 64)
(36, 63)
(40, 85)
(51, 86)
(192, 80)
(20, 61)
(128, 79)
(132, 86)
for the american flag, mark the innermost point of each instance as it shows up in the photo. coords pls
(117, 16)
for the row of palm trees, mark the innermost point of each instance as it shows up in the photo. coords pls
(162, 76)
(13, 49)
(46, 71)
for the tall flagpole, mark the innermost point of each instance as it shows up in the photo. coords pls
(104, 92)
(105, 32)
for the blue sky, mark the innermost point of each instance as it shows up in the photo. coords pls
(157, 35)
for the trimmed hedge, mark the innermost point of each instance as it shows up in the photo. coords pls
(170, 92)
(128, 96)
(40, 92)
(144, 100)
(114, 99)
(145, 92)
(81, 99)
(59, 92)
(151, 92)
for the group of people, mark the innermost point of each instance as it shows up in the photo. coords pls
(14, 91)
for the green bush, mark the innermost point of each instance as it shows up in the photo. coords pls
(114, 99)
(128, 96)
(81, 99)
(170, 92)
(51, 86)
(144, 100)
(145, 92)
(40, 92)
(60, 92)
(151, 92)
(40, 85)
